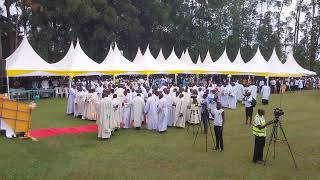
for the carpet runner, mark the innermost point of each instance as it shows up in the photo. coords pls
(41, 133)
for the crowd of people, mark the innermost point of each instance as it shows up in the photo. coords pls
(130, 102)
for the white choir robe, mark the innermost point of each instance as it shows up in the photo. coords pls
(163, 113)
(105, 110)
(239, 89)
(265, 92)
(116, 113)
(138, 107)
(127, 111)
(79, 104)
(181, 108)
(71, 98)
(254, 91)
(150, 110)
(224, 96)
(90, 112)
(187, 98)
(195, 116)
(169, 105)
(232, 99)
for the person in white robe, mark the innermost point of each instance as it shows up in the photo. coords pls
(163, 113)
(239, 91)
(8, 130)
(127, 101)
(195, 113)
(254, 90)
(91, 106)
(138, 107)
(150, 110)
(224, 95)
(232, 99)
(79, 102)
(187, 98)
(71, 98)
(265, 94)
(116, 113)
(181, 112)
(169, 100)
(105, 110)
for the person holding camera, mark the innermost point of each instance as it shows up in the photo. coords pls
(205, 112)
(259, 131)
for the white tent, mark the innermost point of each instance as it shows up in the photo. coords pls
(257, 65)
(78, 64)
(117, 64)
(186, 59)
(277, 68)
(224, 65)
(174, 65)
(160, 58)
(60, 64)
(208, 64)
(239, 63)
(147, 62)
(109, 55)
(24, 61)
(293, 67)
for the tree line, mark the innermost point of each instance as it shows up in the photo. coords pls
(198, 25)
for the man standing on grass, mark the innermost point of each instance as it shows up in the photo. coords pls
(150, 110)
(265, 93)
(138, 107)
(259, 131)
(105, 110)
(218, 122)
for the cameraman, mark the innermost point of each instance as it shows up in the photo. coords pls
(259, 130)
(205, 112)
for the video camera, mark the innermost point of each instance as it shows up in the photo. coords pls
(277, 112)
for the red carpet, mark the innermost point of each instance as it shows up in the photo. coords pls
(41, 133)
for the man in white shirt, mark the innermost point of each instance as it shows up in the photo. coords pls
(249, 108)
(265, 94)
(218, 123)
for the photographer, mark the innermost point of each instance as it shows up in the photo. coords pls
(259, 130)
(205, 112)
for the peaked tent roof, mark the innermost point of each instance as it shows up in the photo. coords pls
(293, 67)
(60, 64)
(24, 61)
(174, 65)
(79, 64)
(257, 65)
(147, 63)
(239, 63)
(160, 58)
(117, 64)
(224, 65)
(109, 55)
(277, 68)
(208, 64)
(185, 58)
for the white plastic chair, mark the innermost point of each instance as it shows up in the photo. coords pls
(66, 92)
(58, 92)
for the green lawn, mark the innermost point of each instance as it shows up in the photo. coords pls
(132, 154)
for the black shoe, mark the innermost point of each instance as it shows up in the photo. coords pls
(216, 148)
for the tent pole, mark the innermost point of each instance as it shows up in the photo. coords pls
(229, 79)
(114, 79)
(8, 87)
(197, 75)
(147, 80)
(176, 79)
(267, 80)
(70, 81)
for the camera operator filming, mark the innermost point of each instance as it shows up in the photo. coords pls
(259, 130)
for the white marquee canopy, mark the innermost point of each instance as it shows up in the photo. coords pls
(26, 62)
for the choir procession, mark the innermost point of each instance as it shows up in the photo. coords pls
(129, 103)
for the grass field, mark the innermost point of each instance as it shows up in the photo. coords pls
(132, 154)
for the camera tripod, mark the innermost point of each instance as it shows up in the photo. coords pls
(206, 125)
(273, 139)
(192, 114)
